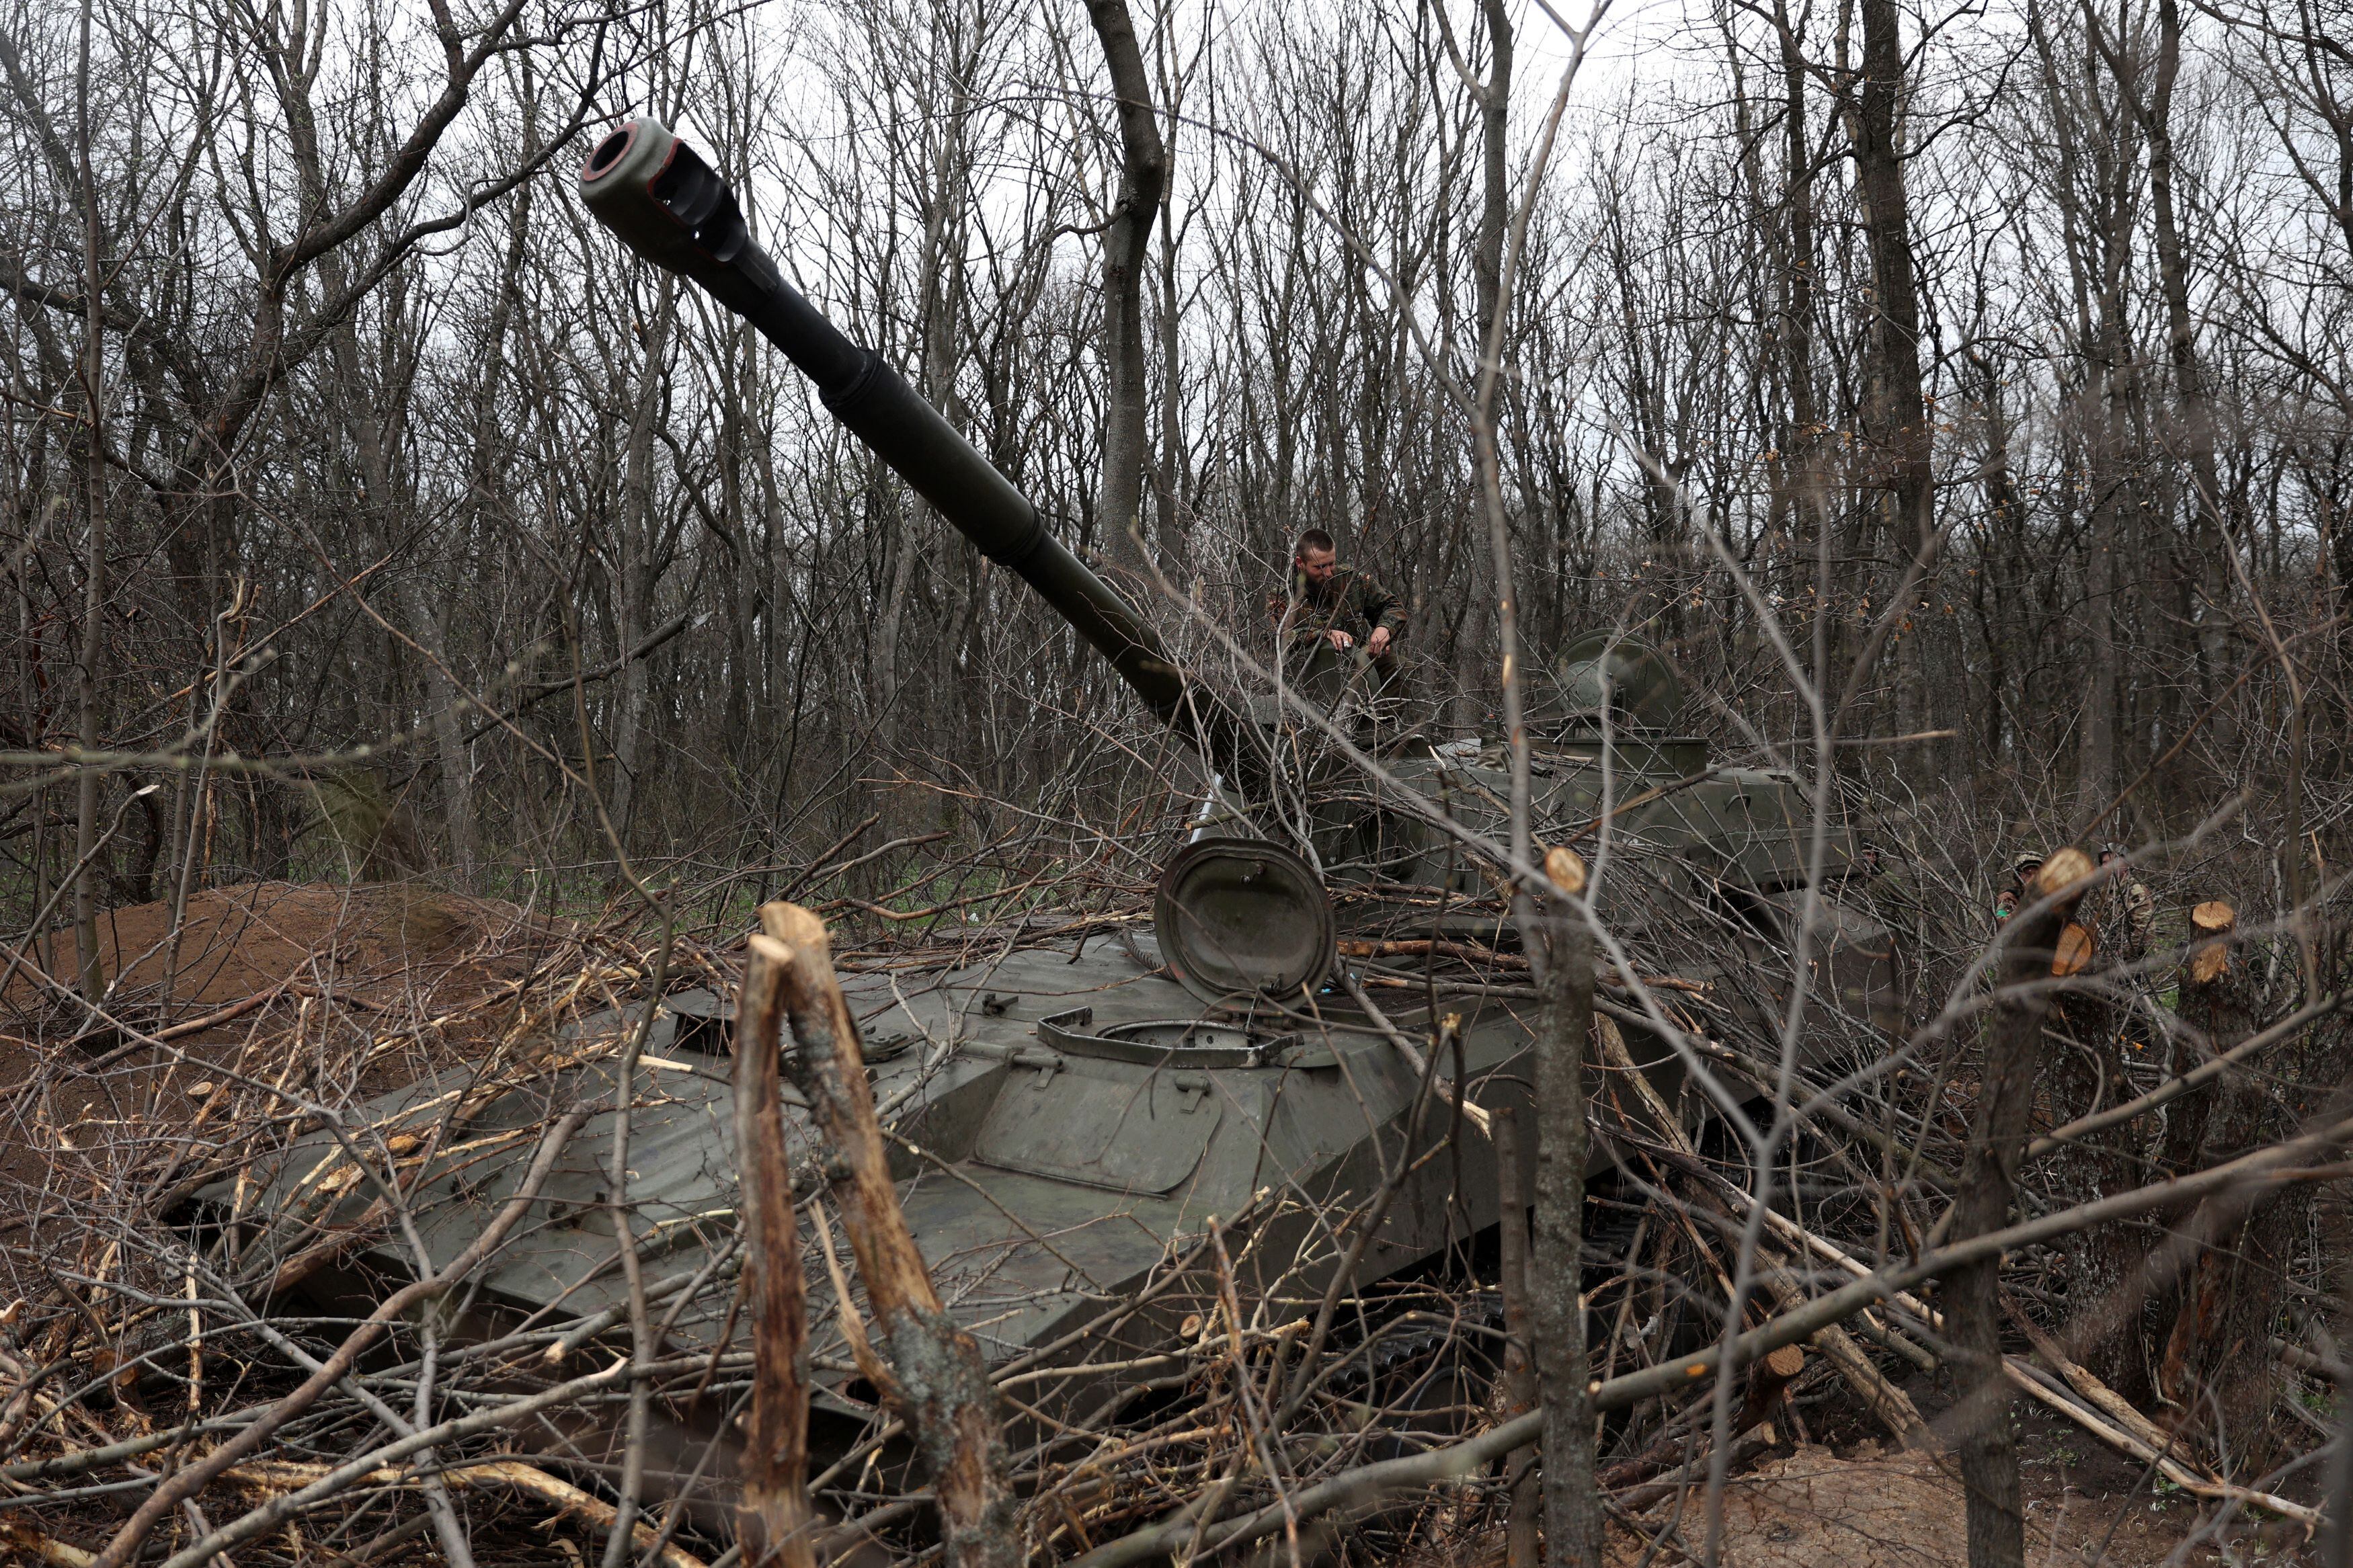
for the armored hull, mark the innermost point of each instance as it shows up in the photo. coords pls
(1066, 1132)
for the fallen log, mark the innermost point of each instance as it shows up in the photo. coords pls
(2101, 1396)
(1891, 1406)
(18, 1535)
(1674, 1449)
(2113, 1419)
(2161, 1457)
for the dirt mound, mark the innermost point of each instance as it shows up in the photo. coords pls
(364, 942)
(1813, 1508)
(1871, 1510)
(363, 987)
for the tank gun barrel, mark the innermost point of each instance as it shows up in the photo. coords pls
(664, 202)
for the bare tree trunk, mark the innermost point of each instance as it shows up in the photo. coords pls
(2217, 1365)
(90, 966)
(1519, 1366)
(448, 736)
(2097, 784)
(1803, 444)
(2155, 113)
(449, 732)
(1572, 1502)
(1899, 422)
(1987, 1446)
(940, 291)
(1172, 471)
(2194, 410)
(1480, 590)
(633, 560)
(1143, 176)
(1494, 167)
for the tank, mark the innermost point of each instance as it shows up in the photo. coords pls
(1071, 1114)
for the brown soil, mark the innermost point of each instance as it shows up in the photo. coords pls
(378, 959)
(1849, 1500)
(1813, 1507)
(372, 944)
(1906, 1510)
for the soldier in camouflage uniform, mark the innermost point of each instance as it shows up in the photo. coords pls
(2124, 912)
(1327, 602)
(2122, 915)
(2023, 869)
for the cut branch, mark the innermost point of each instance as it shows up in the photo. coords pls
(942, 1384)
(774, 1514)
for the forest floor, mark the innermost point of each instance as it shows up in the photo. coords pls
(1852, 1500)
(429, 969)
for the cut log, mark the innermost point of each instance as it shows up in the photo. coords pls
(1984, 1438)
(2210, 959)
(1889, 1406)
(1676, 1450)
(2216, 1360)
(1766, 1380)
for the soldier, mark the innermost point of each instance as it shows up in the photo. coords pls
(2126, 911)
(2023, 869)
(1327, 602)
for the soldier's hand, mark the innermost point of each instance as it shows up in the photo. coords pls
(1340, 639)
(1377, 641)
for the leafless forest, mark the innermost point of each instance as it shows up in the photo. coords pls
(432, 630)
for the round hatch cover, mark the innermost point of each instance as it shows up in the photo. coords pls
(1240, 917)
(1603, 669)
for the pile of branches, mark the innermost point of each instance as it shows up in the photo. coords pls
(2093, 1188)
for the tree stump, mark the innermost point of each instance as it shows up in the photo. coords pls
(2217, 1368)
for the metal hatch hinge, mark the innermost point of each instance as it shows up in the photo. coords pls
(1047, 1064)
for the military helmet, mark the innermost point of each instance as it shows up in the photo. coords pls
(2027, 860)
